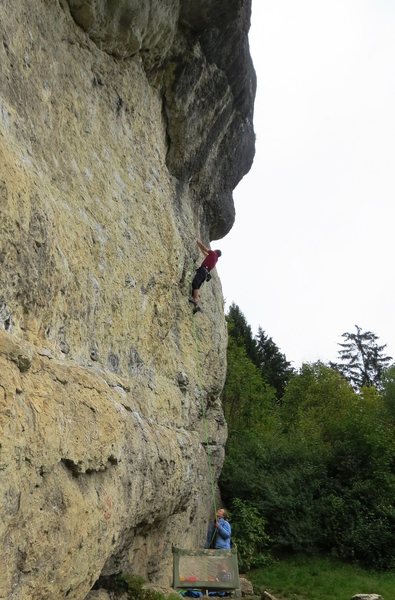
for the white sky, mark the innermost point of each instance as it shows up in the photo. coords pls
(312, 251)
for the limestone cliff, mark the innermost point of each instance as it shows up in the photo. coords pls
(124, 127)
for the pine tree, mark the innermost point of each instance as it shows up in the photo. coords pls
(275, 368)
(241, 332)
(362, 360)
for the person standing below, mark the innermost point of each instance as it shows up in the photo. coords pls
(203, 273)
(219, 532)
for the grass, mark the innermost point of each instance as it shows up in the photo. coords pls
(311, 578)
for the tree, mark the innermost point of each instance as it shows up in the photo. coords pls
(261, 350)
(362, 360)
(275, 368)
(241, 332)
(246, 397)
(389, 390)
(350, 449)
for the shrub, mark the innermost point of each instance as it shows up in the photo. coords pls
(249, 535)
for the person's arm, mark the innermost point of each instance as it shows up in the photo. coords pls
(202, 247)
(223, 528)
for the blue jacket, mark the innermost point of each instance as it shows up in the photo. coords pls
(222, 537)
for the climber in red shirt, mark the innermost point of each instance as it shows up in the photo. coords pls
(203, 273)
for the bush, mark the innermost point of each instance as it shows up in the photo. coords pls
(249, 535)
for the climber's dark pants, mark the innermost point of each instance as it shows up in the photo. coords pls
(200, 278)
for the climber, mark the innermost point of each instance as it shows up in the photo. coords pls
(219, 532)
(203, 273)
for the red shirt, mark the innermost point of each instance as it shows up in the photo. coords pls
(210, 261)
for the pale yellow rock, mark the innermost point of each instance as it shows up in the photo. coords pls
(247, 589)
(105, 374)
(125, 27)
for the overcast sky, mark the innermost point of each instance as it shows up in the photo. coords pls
(312, 251)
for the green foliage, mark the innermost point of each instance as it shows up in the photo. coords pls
(249, 535)
(273, 365)
(316, 396)
(261, 350)
(241, 332)
(246, 396)
(133, 586)
(317, 465)
(358, 512)
(356, 449)
(389, 390)
(362, 361)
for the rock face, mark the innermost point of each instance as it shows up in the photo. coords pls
(124, 127)
(208, 85)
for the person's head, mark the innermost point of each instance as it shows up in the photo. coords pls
(222, 514)
(218, 253)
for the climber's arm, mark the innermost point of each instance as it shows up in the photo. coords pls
(203, 248)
